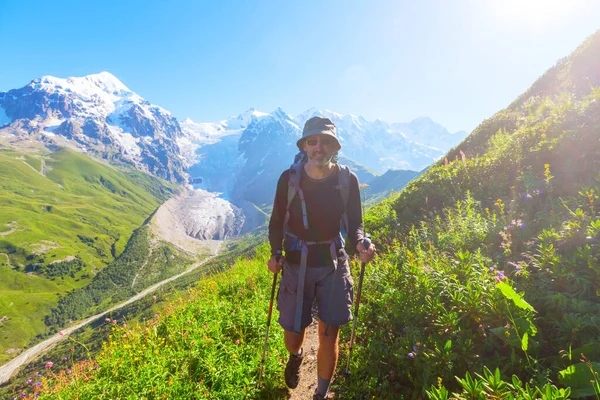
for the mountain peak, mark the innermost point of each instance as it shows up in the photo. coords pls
(280, 114)
(104, 81)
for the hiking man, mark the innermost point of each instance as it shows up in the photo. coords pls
(315, 198)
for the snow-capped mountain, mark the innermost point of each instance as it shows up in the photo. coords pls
(382, 146)
(201, 134)
(97, 114)
(245, 164)
(241, 157)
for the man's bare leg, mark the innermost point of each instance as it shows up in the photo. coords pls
(327, 355)
(293, 342)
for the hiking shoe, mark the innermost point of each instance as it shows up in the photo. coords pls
(319, 397)
(292, 370)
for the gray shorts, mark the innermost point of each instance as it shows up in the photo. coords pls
(333, 291)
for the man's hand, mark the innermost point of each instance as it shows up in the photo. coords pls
(276, 263)
(365, 255)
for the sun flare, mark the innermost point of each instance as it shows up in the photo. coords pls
(536, 12)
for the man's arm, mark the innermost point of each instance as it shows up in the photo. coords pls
(278, 214)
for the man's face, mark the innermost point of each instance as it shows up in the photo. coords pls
(320, 149)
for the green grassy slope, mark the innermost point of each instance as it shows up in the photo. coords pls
(207, 344)
(54, 206)
(518, 207)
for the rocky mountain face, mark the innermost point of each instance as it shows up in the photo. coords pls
(96, 114)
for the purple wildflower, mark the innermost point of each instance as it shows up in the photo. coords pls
(522, 224)
(38, 384)
(415, 348)
(411, 355)
(499, 276)
(28, 381)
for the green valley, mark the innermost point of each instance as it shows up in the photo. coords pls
(63, 218)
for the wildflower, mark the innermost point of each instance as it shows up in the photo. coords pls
(528, 196)
(61, 333)
(521, 224)
(114, 321)
(22, 395)
(415, 348)
(538, 192)
(411, 355)
(38, 384)
(499, 276)
(65, 358)
(237, 341)
(28, 381)
(49, 364)
(69, 372)
(124, 325)
(154, 298)
(106, 319)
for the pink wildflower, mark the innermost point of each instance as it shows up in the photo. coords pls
(49, 364)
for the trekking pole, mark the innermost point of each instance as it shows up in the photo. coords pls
(269, 317)
(367, 243)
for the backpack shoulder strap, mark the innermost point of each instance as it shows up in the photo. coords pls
(294, 189)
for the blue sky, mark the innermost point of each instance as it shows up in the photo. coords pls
(456, 61)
